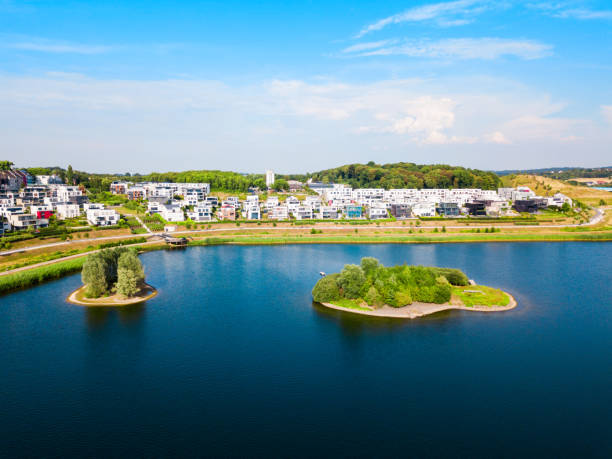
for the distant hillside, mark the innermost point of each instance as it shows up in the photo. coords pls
(408, 175)
(545, 186)
(563, 173)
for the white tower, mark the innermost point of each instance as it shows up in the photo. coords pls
(269, 178)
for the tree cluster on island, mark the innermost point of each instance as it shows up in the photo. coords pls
(110, 271)
(397, 286)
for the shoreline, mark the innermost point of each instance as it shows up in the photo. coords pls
(113, 300)
(416, 310)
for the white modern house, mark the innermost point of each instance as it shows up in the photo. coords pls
(201, 213)
(252, 211)
(424, 209)
(172, 212)
(278, 213)
(64, 211)
(375, 213)
(102, 217)
(303, 213)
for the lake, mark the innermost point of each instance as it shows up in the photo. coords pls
(233, 359)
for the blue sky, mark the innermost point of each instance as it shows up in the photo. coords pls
(301, 86)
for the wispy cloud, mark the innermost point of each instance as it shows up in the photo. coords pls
(567, 10)
(368, 46)
(606, 111)
(58, 47)
(454, 13)
(455, 48)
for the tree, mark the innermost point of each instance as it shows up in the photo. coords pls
(280, 185)
(326, 289)
(372, 297)
(130, 274)
(565, 207)
(369, 265)
(6, 165)
(94, 275)
(351, 279)
(69, 175)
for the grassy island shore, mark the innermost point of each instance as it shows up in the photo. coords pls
(405, 292)
(417, 310)
(80, 298)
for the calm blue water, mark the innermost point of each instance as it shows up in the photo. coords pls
(603, 188)
(233, 359)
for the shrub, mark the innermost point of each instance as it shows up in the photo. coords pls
(403, 298)
(351, 279)
(326, 289)
(369, 265)
(441, 294)
(372, 297)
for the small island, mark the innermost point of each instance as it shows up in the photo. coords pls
(112, 277)
(405, 291)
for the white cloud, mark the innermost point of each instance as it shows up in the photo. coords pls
(498, 138)
(456, 48)
(51, 47)
(294, 124)
(565, 10)
(360, 47)
(606, 111)
(444, 12)
(533, 127)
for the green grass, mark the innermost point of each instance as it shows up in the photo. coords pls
(45, 257)
(489, 297)
(349, 304)
(413, 238)
(35, 276)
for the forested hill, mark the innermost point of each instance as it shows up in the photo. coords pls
(408, 175)
(371, 175)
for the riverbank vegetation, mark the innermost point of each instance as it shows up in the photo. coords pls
(35, 276)
(397, 286)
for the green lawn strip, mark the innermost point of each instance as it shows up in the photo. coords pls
(480, 295)
(486, 237)
(349, 304)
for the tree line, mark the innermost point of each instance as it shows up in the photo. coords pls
(370, 175)
(408, 175)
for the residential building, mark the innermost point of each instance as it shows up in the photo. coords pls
(102, 217)
(279, 212)
(201, 213)
(353, 211)
(119, 187)
(226, 212)
(252, 211)
(448, 209)
(376, 213)
(21, 221)
(303, 213)
(65, 211)
(400, 211)
(48, 180)
(12, 180)
(424, 209)
(328, 213)
(136, 193)
(295, 186)
(530, 205)
(172, 212)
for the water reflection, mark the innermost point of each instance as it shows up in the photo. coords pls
(99, 317)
